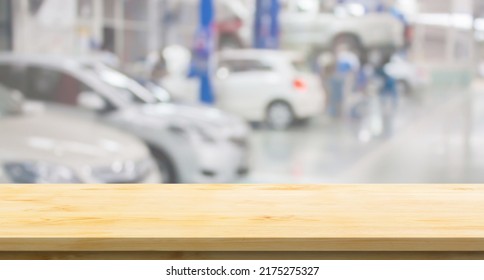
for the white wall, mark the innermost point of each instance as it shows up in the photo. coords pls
(51, 30)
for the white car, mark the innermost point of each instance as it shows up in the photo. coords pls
(310, 25)
(192, 144)
(267, 85)
(41, 147)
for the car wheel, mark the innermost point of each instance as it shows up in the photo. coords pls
(165, 167)
(280, 115)
(351, 42)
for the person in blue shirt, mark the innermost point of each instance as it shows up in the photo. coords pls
(388, 95)
(388, 91)
(346, 65)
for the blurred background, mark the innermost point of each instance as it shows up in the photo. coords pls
(241, 91)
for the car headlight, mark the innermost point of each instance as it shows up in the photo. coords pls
(36, 172)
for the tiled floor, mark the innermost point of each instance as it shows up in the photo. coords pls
(437, 139)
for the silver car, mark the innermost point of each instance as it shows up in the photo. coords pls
(192, 144)
(41, 147)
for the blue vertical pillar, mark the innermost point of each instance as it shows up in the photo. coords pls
(266, 25)
(203, 51)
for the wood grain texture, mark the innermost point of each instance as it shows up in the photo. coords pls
(209, 255)
(231, 218)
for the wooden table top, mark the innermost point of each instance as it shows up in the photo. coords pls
(242, 218)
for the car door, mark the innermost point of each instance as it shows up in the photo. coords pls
(243, 86)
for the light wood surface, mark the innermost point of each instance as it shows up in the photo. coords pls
(234, 218)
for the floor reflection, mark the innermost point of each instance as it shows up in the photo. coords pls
(437, 138)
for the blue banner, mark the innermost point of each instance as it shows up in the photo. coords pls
(266, 25)
(203, 51)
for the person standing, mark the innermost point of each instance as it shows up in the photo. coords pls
(342, 80)
(388, 96)
(159, 70)
(388, 91)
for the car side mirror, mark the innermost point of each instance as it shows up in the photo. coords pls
(92, 101)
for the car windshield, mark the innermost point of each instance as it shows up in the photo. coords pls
(129, 90)
(10, 104)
